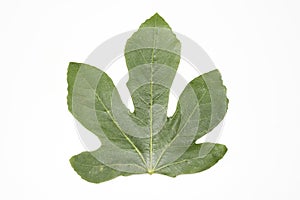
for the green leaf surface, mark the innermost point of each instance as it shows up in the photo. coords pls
(90, 169)
(197, 158)
(146, 140)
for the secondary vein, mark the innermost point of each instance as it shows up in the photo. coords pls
(158, 160)
(118, 126)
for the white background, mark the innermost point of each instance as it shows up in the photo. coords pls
(255, 44)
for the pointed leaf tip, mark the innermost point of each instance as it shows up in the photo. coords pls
(156, 15)
(155, 21)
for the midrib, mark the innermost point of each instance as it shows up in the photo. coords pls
(150, 170)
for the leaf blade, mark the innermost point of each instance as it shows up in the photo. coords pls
(92, 170)
(146, 141)
(149, 54)
(97, 95)
(193, 162)
(213, 101)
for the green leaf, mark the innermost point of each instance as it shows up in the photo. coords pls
(197, 158)
(90, 169)
(147, 140)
